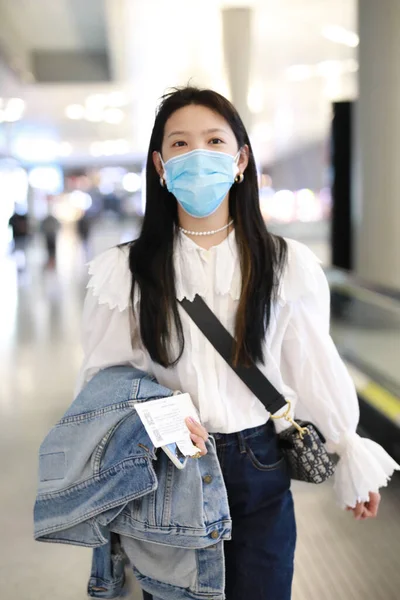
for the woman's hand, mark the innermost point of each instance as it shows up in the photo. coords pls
(198, 434)
(367, 510)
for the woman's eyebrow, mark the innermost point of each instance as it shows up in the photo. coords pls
(212, 130)
(215, 130)
(176, 133)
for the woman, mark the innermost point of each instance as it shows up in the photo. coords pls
(203, 233)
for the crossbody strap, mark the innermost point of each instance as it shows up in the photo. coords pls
(223, 342)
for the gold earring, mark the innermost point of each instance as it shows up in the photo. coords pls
(162, 181)
(239, 178)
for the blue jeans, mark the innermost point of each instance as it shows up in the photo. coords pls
(259, 558)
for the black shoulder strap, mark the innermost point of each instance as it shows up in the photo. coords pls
(223, 342)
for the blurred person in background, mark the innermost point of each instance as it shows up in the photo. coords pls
(19, 224)
(49, 227)
(83, 227)
(203, 234)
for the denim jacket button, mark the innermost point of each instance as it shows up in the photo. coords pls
(207, 479)
(215, 535)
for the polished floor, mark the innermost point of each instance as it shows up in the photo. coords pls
(337, 557)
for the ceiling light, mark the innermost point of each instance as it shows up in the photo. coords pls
(350, 65)
(96, 101)
(117, 99)
(109, 148)
(48, 179)
(299, 72)
(121, 147)
(64, 149)
(75, 112)
(80, 199)
(96, 149)
(330, 68)
(340, 35)
(16, 104)
(12, 117)
(14, 110)
(94, 115)
(132, 182)
(36, 149)
(114, 116)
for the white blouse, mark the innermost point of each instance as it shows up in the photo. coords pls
(301, 360)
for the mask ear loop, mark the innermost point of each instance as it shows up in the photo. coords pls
(240, 176)
(163, 183)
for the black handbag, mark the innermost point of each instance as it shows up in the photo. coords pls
(302, 444)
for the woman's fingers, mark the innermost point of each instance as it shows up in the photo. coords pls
(358, 510)
(367, 510)
(196, 428)
(198, 434)
(199, 443)
(372, 506)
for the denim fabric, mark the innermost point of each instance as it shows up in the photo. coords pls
(107, 577)
(192, 567)
(259, 558)
(99, 473)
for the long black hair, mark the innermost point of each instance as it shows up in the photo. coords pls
(262, 256)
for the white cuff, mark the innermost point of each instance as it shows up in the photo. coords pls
(364, 467)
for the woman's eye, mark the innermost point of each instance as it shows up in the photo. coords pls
(179, 144)
(216, 141)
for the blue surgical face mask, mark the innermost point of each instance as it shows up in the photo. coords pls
(200, 180)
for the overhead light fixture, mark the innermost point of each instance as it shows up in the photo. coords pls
(329, 68)
(132, 182)
(35, 150)
(96, 101)
(351, 65)
(96, 149)
(13, 110)
(75, 112)
(326, 68)
(16, 104)
(48, 179)
(81, 200)
(121, 147)
(94, 115)
(64, 149)
(340, 35)
(114, 116)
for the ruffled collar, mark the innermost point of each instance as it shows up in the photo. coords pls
(203, 272)
(196, 269)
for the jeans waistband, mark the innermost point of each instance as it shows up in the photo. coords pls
(229, 439)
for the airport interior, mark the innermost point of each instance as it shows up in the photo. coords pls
(316, 83)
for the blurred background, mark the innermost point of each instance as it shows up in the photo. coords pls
(317, 84)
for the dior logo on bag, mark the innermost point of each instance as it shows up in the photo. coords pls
(306, 454)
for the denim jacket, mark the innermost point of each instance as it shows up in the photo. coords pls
(99, 475)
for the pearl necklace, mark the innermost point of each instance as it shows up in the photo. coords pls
(206, 232)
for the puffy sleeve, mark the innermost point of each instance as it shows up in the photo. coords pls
(109, 331)
(312, 367)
